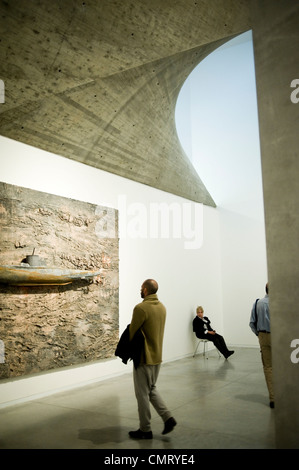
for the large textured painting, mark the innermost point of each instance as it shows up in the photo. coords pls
(58, 282)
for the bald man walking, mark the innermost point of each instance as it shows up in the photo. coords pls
(149, 316)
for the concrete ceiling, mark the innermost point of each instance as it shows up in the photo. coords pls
(97, 81)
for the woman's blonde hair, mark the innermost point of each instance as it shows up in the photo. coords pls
(200, 308)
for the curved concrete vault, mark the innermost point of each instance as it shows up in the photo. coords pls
(97, 82)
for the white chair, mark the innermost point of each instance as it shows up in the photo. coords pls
(205, 344)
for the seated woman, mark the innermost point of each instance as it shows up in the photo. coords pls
(203, 330)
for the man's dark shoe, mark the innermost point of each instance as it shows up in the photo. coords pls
(141, 434)
(169, 425)
(271, 404)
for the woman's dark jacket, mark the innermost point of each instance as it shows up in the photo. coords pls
(201, 327)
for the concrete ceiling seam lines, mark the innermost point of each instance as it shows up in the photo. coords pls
(97, 81)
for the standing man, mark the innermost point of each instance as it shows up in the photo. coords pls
(149, 316)
(260, 325)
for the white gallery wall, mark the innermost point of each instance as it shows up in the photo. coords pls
(214, 257)
(186, 265)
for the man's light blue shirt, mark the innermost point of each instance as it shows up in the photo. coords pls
(262, 321)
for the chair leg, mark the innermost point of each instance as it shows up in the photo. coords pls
(204, 350)
(196, 348)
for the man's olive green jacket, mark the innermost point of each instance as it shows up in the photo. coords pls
(150, 316)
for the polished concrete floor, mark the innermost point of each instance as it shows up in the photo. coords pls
(217, 403)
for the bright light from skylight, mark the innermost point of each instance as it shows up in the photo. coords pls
(217, 122)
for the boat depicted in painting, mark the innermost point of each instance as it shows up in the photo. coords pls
(26, 275)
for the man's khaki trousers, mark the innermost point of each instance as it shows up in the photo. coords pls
(265, 344)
